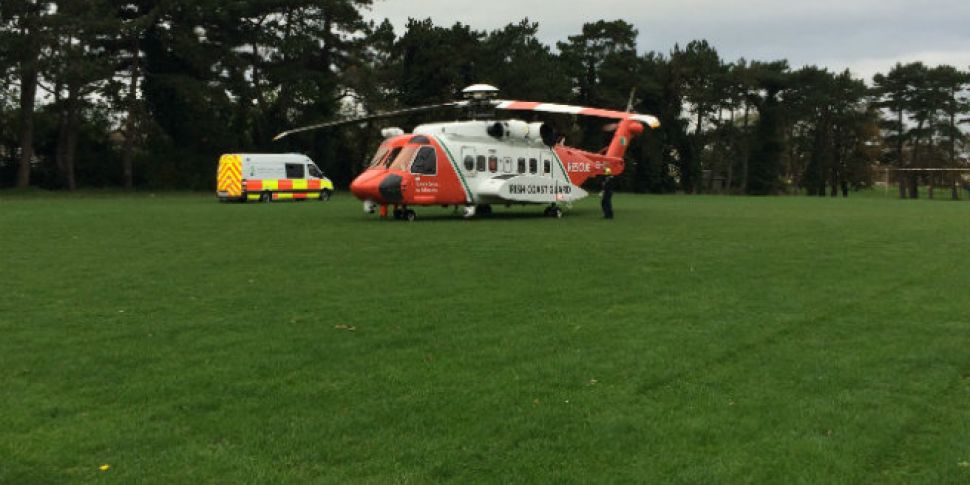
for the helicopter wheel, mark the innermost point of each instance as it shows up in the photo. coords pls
(553, 211)
(398, 214)
(484, 210)
(410, 215)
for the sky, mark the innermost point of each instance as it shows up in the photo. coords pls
(865, 36)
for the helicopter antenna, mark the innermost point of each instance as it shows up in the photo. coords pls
(629, 104)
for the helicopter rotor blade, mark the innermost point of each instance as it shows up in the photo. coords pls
(376, 116)
(648, 120)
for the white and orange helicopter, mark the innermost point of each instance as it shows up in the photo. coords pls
(474, 164)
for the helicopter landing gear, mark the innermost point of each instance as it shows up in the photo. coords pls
(469, 212)
(404, 214)
(484, 210)
(553, 211)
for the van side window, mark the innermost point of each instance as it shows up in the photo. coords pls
(295, 170)
(314, 171)
(469, 163)
(480, 163)
(533, 165)
(521, 166)
(493, 164)
(425, 162)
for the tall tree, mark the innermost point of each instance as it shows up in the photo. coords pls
(26, 19)
(699, 70)
(76, 65)
(600, 63)
(765, 159)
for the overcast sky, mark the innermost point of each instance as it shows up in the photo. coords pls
(866, 36)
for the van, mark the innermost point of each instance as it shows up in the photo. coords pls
(265, 177)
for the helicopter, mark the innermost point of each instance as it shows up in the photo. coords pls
(474, 164)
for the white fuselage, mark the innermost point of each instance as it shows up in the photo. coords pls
(516, 166)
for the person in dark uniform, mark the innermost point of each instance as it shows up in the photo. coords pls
(607, 195)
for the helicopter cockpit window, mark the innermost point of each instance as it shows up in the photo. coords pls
(533, 165)
(546, 167)
(493, 164)
(390, 158)
(469, 163)
(425, 162)
(480, 163)
(379, 156)
(521, 166)
(401, 158)
(294, 170)
(314, 171)
(420, 140)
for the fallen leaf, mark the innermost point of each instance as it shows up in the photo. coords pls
(349, 328)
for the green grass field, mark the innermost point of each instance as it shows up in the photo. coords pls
(691, 340)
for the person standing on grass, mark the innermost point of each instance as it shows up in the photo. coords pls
(607, 195)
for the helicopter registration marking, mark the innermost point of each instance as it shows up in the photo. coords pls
(585, 166)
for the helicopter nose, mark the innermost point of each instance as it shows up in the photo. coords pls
(391, 188)
(379, 186)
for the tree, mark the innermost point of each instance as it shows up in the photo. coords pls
(768, 146)
(600, 64)
(512, 59)
(702, 76)
(25, 22)
(75, 65)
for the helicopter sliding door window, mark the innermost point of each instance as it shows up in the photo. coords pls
(493, 164)
(425, 162)
(480, 163)
(546, 167)
(533, 166)
(521, 166)
(469, 163)
(508, 165)
(295, 170)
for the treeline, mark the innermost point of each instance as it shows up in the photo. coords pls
(148, 94)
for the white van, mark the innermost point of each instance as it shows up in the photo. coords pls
(265, 177)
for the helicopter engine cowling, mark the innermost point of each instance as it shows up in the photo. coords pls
(514, 130)
(550, 136)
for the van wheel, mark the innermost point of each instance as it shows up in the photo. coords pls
(265, 197)
(325, 196)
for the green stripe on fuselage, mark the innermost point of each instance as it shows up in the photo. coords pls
(451, 158)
